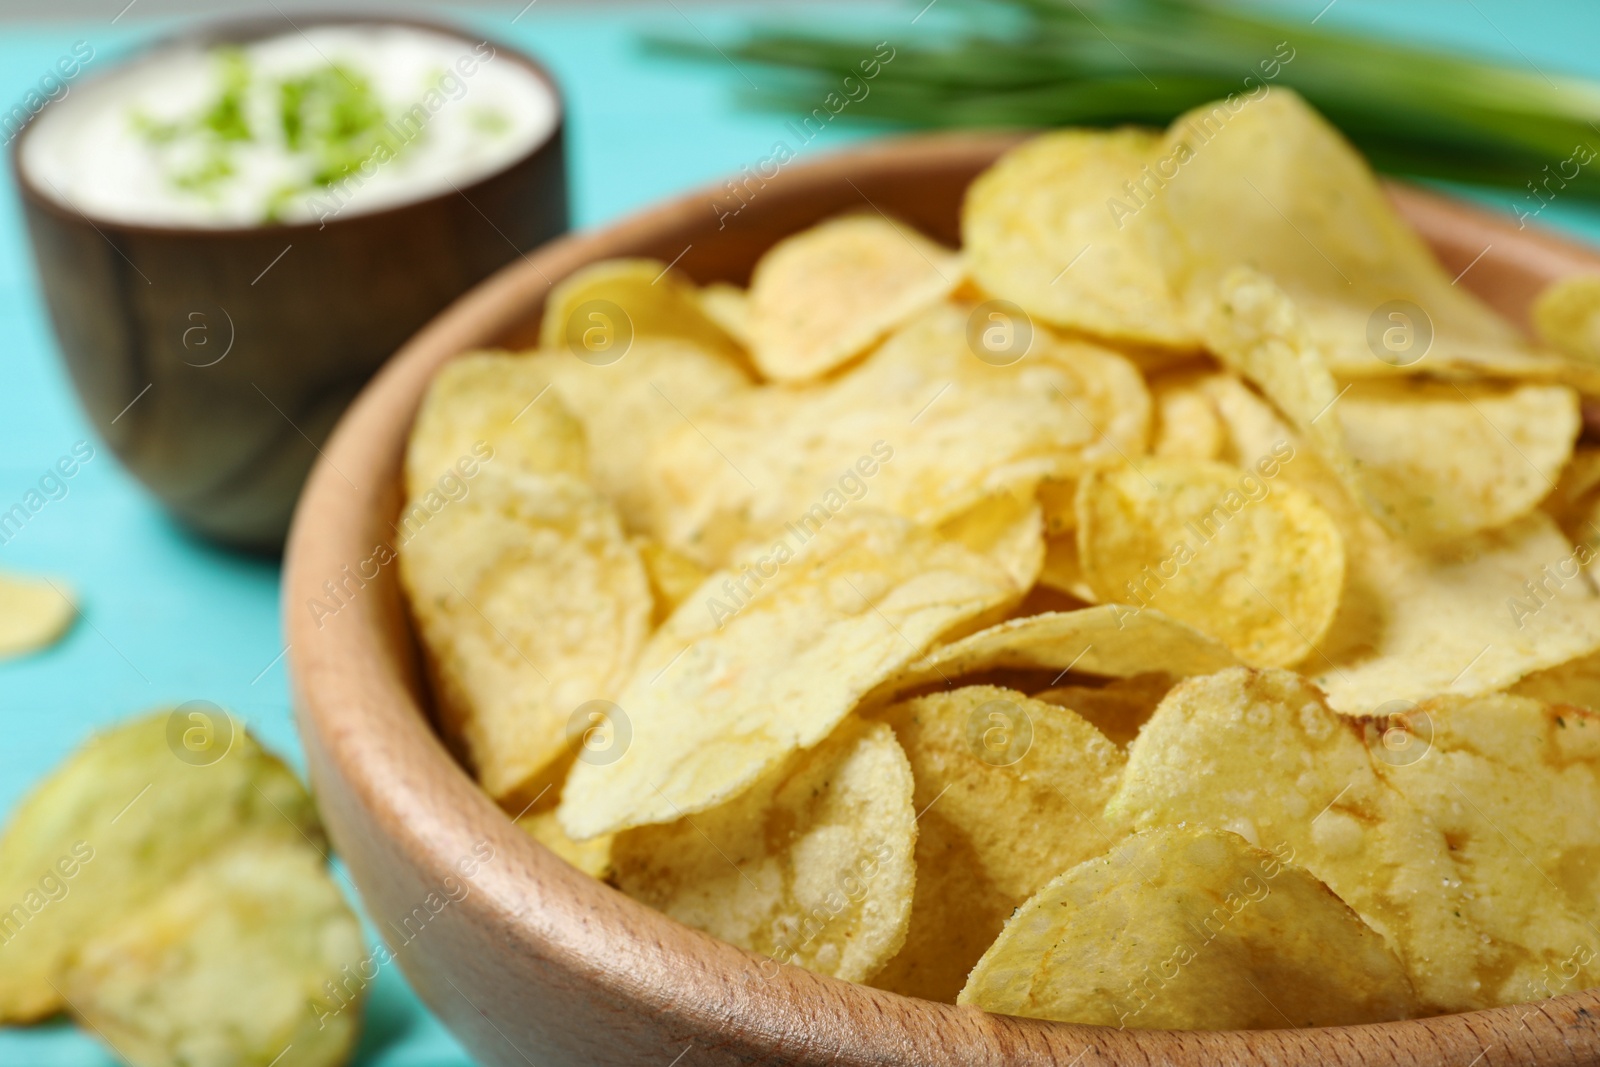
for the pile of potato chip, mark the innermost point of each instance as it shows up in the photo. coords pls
(1174, 609)
(168, 886)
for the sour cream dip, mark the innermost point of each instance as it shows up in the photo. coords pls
(339, 120)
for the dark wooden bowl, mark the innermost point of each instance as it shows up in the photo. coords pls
(304, 312)
(538, 963)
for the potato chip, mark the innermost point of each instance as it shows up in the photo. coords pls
(487, 408)
(592, 857)
(1259, 566)
(1117, 709)
(1566, 316)
(231, 963)
(1051, 226)
(1057, 499)
(531, 603)
(767, 659)
(34, 613)
(628, 407)
(729, 307)
(124, 816)
(602, 309)
(1270, 183)
(1440, 460)
(812, 865)
(1259, 753)
(1008, 527)
(821, 297)
(922, 428)
(673, 576)
(1417, 620)
(1110, 639)
(1472, 618)
(1575, 682)
(1191, 929)
(1009, 793)
(1572, 501)
(1186, 425)
(1063, 570)
(1514, 785)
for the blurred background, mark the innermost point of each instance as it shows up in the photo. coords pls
(166, 618)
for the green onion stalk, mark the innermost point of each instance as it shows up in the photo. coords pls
(1411, 110)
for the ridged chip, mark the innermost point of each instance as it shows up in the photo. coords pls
(773, 659)
(246, 959)
(811, 865)
(1191, 929)
(123, 817)
(1009, 792)
(1261, 754)
(822, 296)
(34, 613)
(482, 408)
(1058, 226)
(531, 602)
(1255, 564)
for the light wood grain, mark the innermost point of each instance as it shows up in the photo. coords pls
(538, 963)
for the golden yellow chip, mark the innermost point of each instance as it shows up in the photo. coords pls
(1257, 565)
(1387, 641)
(1272, 184)
(1471, 618)
(1008, 527)
(598, 313)
(1576, 682)
(729, 307)
(127, 814)
(778, 653)
(1566, 316)
(1063, 571)
(1009, 793)
(34, 613)
(1117, 709)
(822, 296)
(629, 407)
(1063, 225)
(1440, 460)
(486, 408)
(1113, 640)
(1514, 785)
(922, 427)
(251, 957)
(1191, 929)
(592, 857)
(1186, 424)
(1260, 754)
(811, 865)
(673, 576)
(531, 604)
(1573, 499)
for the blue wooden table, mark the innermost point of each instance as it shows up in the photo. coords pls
(168, 619)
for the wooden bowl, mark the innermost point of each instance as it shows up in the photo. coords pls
(529, 961)
(213, 369)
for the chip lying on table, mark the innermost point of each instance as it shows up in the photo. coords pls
(168, 885)
(1175, 608)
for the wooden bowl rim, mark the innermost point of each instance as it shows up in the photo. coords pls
(362, 722)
